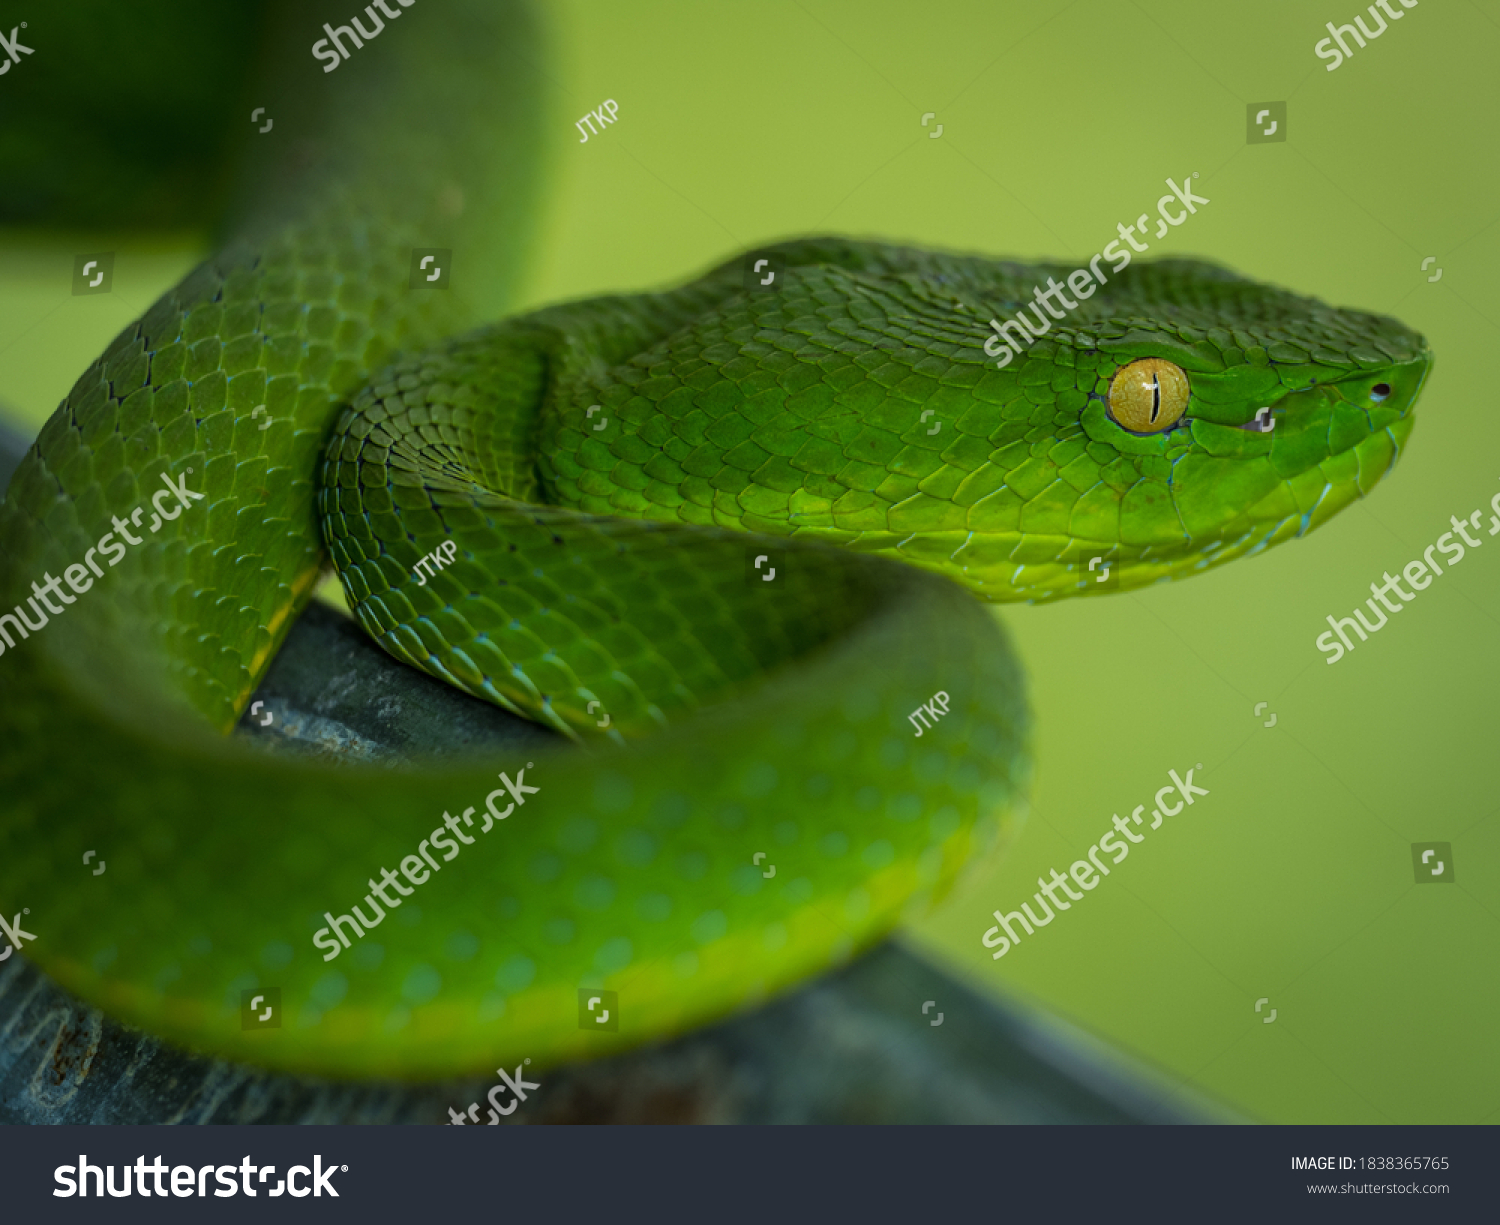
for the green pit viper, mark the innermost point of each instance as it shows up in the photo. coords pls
(614, 481)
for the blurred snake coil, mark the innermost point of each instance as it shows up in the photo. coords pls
(605, 474)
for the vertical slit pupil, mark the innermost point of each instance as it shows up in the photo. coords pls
(1155, 397)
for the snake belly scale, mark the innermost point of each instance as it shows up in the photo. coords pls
(602, 475)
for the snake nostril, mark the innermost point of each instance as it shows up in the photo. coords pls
(1380, 391)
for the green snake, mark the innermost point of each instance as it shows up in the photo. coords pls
(576, 514)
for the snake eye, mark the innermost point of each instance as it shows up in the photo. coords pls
(1379, 392)
(1149, 395)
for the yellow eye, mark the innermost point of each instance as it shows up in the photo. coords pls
(1148, 395)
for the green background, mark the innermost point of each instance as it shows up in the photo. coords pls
(741, 123)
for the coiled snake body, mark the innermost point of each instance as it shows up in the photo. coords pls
(593, 486)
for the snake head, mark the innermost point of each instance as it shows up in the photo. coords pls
(1291, 411)
(1178, 417)
(1154, 419)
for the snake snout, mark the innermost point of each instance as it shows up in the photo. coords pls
(1389, 391)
